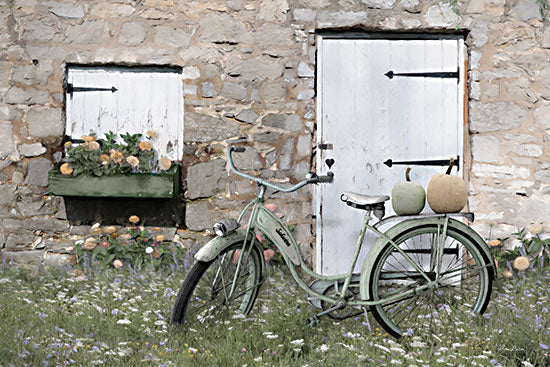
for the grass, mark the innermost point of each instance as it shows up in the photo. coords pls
(120, 318)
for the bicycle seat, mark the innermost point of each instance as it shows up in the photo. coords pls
(358, 200)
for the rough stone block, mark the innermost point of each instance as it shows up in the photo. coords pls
(34, 208)
(378, 4)
(475, 7)
(542, 116)
(7, 193)
(205, 128)
(31, 150)
(534, 210)
(266, 137)
(306, 94)
(233, 90)
(479, 34)
(304, 15)
(545, 40)
(222, 28)
(241, 188)
(285, 157)
(527, 9)
(58, 261)
(273, 10)
(37, 172)
(132, 34)
(9, 113)
(303, 146)
(248, 116)
(290, 122)
(208, 90)
(500, 172)
(42, 30)
(46, 225)
(32, 74)
(248, 160)
(51, 53)
(65, 10)
(191, 72)
(24, 257)
(6, 140)
(300, 170)
(305, 71)
(257, 68)
(112, 10)
(495, 116)
(441, 15)
(171, 37)
(206, 179)
(542, 173)
(199, 216)
(27, 96)
(20, 241)
(88, 32)
(486, 148)
(44, 123)
(335, 19)
(529, 150)
(272, 91)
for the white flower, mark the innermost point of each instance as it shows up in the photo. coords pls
(297, 342)
(323, 348)
(123, 322)
(95, 226)
(149, 250)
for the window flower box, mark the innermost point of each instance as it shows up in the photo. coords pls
(130, 185)
(107, 168)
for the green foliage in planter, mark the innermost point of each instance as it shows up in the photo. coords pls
(534, 249)
(139, 248)
(106, 157)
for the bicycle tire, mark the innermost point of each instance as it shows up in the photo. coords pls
(188, 304)
(429, 309)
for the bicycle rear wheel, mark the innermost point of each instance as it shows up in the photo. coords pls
(464, 287)
(204, 296)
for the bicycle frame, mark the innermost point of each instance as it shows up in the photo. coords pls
(275, 230)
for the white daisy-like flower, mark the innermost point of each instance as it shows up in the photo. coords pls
(123, 322)
(149, 250)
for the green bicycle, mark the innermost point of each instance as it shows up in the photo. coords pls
(423, 272)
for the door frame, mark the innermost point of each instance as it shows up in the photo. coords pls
(320, 35)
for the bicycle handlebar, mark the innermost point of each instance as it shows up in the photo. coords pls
(314, 179)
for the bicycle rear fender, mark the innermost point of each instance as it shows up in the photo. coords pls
(216, 245)
(408, 225)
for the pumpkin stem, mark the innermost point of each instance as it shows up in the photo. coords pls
(407, 174)
(451, 164)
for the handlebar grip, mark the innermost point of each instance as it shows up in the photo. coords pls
(238, 149)
(326, 179)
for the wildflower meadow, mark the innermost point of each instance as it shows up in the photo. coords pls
(120, 317)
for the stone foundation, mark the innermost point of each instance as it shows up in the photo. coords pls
(249, 74)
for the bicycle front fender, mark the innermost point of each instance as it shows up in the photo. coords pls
(406, 225)
(213, 247)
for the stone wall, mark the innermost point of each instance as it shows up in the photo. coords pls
(249, 74)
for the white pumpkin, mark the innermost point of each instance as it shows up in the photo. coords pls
(408, 198)
(447, 193)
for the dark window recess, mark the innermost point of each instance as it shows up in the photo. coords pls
(116, 211)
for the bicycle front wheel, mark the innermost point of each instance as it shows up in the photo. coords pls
(464, 285)
(205, 296)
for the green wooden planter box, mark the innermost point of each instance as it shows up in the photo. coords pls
(134, 185)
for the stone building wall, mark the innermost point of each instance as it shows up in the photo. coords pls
(249, 75)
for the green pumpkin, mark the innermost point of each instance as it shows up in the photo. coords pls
(447, 193)
(408, 198)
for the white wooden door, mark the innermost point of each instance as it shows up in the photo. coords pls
(145, 99)
(369, 118)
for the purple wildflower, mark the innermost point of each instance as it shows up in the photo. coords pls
(544, 346)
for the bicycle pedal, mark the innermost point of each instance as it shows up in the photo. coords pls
(313, 321)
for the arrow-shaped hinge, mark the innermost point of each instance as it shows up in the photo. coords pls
(433, 162)
(431, 74)
(71, 89)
